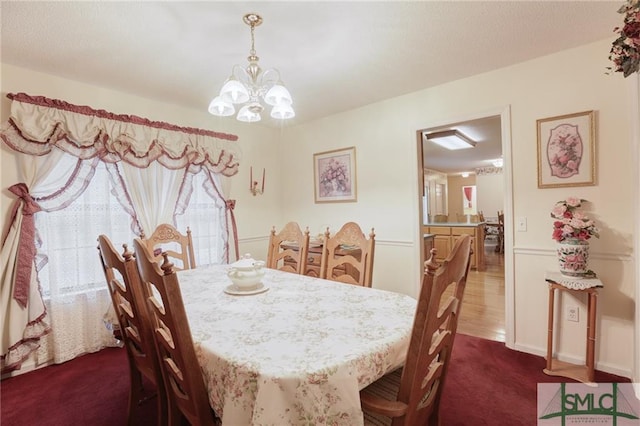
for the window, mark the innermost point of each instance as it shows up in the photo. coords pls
(69, 236)
(205, 218)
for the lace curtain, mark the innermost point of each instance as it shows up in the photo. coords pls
(72, 281)
(140, 153)
(204, 214)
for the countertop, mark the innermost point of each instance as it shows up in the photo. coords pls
(457, 224)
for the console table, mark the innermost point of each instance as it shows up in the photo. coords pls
(557, 281)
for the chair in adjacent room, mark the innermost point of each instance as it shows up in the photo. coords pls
(128, 298)
(411, 395)
(500, 246)
(186, 392)
(348, 256)
(179, 246)
(288, 249)
(440, 218)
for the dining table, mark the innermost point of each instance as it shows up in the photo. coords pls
(296, 350)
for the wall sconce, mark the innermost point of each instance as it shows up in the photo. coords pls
(253, 184)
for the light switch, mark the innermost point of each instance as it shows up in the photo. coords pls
(522, 224)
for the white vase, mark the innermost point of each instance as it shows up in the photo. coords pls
(573, 257)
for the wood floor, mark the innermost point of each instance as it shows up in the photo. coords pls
(482, 312)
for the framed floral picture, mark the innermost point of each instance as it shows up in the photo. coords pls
(334, 175)
(567, 150)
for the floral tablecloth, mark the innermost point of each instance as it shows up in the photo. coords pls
(297, 354)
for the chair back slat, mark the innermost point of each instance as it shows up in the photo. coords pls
(128, 299)
(179, 246)
(348, 256)
(278, 252)
(432, 337)
(186, 391)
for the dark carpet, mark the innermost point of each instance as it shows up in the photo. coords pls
(487, 384)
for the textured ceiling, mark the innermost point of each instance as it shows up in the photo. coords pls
(333, 56)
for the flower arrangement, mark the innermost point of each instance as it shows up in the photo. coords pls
(567, 151)
(572, 223)
(625, 51)
(334, 178)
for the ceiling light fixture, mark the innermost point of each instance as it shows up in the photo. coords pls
(253, 87)
(450, 139)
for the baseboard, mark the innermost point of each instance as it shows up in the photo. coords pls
(26, 367)
(600, 366)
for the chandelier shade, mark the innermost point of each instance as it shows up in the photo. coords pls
(249, 113)
(220, 107)
(252, 89)
(234, 92)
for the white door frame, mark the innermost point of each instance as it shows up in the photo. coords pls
(509, 278)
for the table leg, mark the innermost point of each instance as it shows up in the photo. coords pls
(550, 328)
(591, 334)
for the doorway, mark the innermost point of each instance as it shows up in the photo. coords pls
(488, 298)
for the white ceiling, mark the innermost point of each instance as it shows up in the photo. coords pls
(333, 56)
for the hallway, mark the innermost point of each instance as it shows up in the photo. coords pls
(482, 313)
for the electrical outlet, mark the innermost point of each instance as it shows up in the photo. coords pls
(573, 313)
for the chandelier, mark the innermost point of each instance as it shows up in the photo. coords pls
(252, 88)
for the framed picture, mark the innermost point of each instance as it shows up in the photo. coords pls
(469, 203)
(567, 150)
(334, 175)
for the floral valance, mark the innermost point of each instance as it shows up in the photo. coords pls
(37, 124)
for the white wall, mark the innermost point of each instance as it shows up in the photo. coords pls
(388, 186)
(490, 189)
(385, 140)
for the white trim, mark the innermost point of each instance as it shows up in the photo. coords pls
(535, 251)
(253, 239)
(396, 243)
(509, 270)
(634, 111)
(600, 366)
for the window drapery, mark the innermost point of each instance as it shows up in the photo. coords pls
(44, 127)
(23, 320)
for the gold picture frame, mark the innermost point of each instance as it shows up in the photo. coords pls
(334, 176)
(567, 150)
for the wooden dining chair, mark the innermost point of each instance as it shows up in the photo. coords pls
(500, 246)
(348, 256)
(411, 395)
(128, 298)
(179, 246)
(288, 249)
(186, 392)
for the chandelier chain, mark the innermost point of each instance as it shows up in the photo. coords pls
(252, 52)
